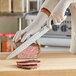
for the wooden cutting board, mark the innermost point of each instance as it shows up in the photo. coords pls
(52, 64)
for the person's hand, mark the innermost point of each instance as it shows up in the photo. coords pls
(31, 29)
(58, 14)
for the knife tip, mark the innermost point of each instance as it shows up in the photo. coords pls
(7, 58)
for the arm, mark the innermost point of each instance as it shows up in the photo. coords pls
(58, 14)
(40, 20)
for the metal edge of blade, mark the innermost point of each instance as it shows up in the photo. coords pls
(23, 45)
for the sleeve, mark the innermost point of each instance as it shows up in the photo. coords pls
(50, 4)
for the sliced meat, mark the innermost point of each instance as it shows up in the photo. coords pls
(29, 61)
(28, 67)
(31, 52)
(30, 64)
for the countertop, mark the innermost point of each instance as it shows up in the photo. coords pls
(52, 64)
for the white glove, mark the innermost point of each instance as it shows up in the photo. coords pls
(36, 25)
(33, 28)
(58, 14)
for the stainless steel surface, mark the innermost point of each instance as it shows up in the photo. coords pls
(54, 48)
(53, 41)
(14, 44)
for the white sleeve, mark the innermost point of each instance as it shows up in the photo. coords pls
(50, 4)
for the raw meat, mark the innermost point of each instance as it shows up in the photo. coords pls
(30, 64)
(29, 61)
(31, 52)
(27, 67)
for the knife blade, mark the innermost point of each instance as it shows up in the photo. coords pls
(28, 42)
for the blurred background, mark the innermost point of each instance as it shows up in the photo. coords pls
(12, 23)
(56, 39)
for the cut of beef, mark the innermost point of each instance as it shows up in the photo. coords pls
(30, 64)
(29, 61)
(27, 67)
(30, 52)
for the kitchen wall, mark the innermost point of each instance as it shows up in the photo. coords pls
(10, 25)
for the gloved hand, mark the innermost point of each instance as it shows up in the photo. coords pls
(58, 14)
(31, 29)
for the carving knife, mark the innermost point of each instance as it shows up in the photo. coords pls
(29, 41)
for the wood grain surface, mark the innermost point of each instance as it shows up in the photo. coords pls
(52, 64)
